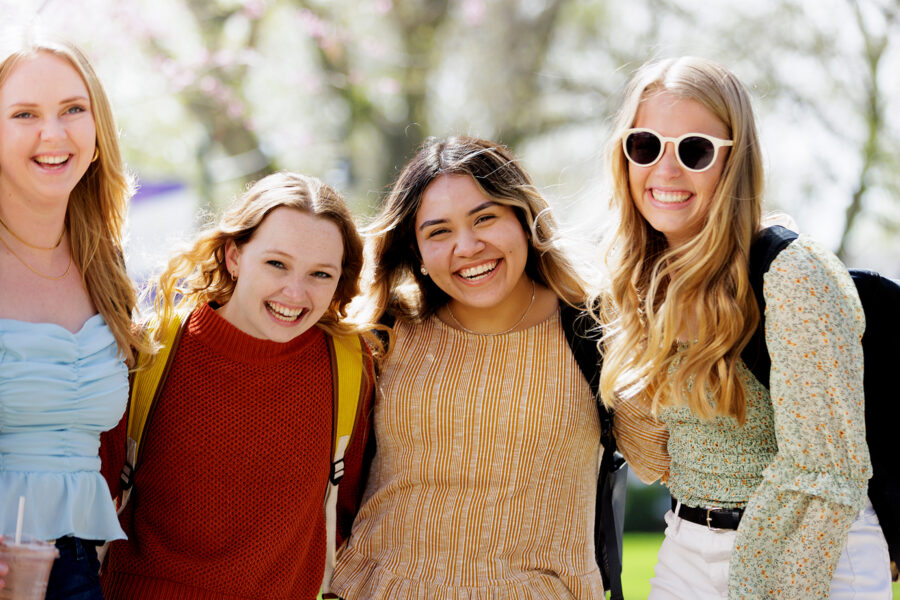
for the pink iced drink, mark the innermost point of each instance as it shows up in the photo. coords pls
(29, 568)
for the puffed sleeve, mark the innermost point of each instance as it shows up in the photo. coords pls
(642, 440)
(796, 522)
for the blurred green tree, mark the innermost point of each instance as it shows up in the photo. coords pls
(348, 90)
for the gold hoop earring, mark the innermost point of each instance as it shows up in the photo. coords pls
(96, 154)
(233, 276)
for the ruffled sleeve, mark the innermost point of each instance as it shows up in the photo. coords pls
(795, 524)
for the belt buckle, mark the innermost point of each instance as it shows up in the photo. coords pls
(709, 518)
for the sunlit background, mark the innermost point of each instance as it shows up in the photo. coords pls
(209, 95)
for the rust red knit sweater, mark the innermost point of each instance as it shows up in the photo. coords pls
(228, 496)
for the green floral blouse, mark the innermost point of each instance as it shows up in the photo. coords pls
(799, 464)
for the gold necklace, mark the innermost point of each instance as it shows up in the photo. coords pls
(516, 324)
(32, 269)
(30, 245)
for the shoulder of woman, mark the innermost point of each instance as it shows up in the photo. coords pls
(807, 264)
(807, 259)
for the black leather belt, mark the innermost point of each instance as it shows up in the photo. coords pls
(713, 518)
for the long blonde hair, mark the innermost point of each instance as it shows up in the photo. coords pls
(199, 274)
(656, 288)
(95, 216)
(399, 287)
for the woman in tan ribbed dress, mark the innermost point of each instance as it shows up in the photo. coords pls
(484, 482)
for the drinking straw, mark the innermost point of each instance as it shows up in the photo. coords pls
(19, 520)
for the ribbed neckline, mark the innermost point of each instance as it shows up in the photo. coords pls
(215, 332)
(548, 322)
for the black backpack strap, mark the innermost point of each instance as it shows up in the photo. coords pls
(880, 298)
(388, 320)
(582, 338)
(582, 335)
(767, 245)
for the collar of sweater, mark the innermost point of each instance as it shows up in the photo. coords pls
(215, 332)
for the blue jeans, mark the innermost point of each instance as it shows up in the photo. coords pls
(76, 573)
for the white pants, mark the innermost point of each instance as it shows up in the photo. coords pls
(693, 562)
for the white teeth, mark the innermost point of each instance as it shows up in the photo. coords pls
(474, 272)
(52, 160)
(284, 313)
(670, 197)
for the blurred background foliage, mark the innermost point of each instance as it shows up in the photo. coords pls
(212, 94)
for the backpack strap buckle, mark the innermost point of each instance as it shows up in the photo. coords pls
(337, 471)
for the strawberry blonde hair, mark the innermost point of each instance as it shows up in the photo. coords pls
(200, 274)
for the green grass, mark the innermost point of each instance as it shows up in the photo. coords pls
(640, 551)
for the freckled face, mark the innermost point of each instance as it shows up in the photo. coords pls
(47, 131)
(672, 199)
(287, 274)
(474, 248)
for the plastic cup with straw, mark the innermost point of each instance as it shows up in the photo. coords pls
(29, 564)
(20, 516)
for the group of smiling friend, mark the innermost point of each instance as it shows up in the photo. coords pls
(472, 472)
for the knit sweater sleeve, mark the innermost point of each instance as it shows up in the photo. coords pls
(796, 522)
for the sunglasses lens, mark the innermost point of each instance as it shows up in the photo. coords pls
(696, 152)
(642, 147)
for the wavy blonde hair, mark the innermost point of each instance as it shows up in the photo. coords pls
(399, 287)
(655, 289)
(200, 275)
(95, 215)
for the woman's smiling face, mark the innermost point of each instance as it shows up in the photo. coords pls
(672, 199)
(287, 274)
(47, 130)
(473, 247)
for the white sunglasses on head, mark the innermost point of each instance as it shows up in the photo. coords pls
(695, 151)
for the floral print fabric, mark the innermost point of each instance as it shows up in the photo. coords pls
(800, 463)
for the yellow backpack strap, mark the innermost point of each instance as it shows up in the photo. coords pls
(348, 355)
(143, 393)
(347, 366)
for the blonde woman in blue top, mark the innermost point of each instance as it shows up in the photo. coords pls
(66, 334)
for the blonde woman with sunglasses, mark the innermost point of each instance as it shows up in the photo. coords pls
(768, 485)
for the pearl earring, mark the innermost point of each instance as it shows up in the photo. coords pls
(423, 270)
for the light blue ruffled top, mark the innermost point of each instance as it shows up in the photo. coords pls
(58, 391)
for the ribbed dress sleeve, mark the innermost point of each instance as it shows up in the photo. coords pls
(642, 440)
(797, 520)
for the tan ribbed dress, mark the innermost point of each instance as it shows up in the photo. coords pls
(484, 482)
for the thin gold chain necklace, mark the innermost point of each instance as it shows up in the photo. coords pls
(516, 324)
(32, 269)
(29, 244)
